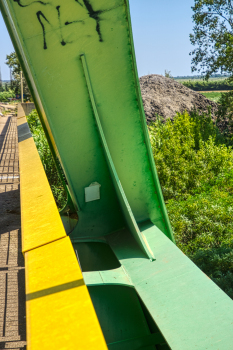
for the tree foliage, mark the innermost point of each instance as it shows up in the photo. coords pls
(211, 85)
(213, 36)
(13, 62)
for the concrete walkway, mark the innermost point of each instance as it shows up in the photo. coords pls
(12, 289)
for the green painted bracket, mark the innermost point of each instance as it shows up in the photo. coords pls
(128, 214)
(108, 277)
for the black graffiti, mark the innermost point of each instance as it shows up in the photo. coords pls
(40, 2)
(63, 43)
(79, 2)
(96, 15)
(78, 21)
(40, 15)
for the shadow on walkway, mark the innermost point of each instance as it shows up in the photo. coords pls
(12, 277)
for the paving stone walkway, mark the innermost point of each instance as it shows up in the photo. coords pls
(12, 285)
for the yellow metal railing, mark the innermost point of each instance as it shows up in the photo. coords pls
(59, 311)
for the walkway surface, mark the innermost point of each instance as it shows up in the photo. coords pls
(12, 288)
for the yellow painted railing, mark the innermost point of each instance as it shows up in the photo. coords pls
(59, 311)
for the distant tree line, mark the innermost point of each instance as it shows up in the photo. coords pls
(193, 77)
(211, 85)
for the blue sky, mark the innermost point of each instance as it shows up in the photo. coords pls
(161, 36)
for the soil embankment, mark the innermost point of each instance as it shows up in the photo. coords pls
(165, 97)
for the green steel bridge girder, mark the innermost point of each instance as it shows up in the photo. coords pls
(51, 44)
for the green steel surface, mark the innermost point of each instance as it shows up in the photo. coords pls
(137, 343)
(120, 315)
(129, 217)
(96, 256)
(109, 277)
(100, 265)
(50, 38)
(190, 310)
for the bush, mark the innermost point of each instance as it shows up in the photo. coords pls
(195, 168)
(218, 265)
(47, 159)
(188, 152)
(202, 221)
(5, 95)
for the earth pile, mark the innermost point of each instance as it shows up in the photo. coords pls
(164, 97)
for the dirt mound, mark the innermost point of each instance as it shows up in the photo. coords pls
(165, 97)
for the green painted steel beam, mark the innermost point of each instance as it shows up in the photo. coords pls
(49, 44)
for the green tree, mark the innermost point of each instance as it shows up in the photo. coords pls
(13, 62)
(213, 37)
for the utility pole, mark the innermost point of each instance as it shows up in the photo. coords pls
(10, 79)
(1, 80)
(21, 80)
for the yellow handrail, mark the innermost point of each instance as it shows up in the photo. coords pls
(59, 310)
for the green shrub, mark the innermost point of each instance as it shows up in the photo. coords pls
(5, 95)
(202, 221)
(188, 152)
(195, 168)
(217, 263)
(47, 159)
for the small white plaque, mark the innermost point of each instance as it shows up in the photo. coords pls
(92, 193)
